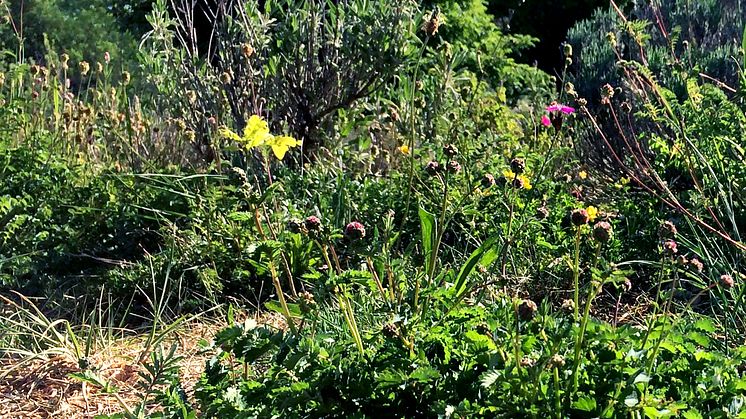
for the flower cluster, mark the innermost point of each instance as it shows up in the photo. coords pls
(256, 134)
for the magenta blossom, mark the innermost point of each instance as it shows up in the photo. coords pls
(558, 107)
(556, 111)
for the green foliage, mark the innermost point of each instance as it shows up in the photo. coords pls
(84, 29)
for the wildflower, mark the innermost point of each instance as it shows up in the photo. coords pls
(404, 149)
(518, 179)
(575, 193)
(696, 265)
(107, 57)
(354, 231)
(256, 134)
(527, 310)
(726, 281)
(312, 223)
(592, 213)
(667, 230)
(454, 167)
(99, 67)
(557, 113)
(579, 217)
(432, 168)
(583, 175)
(450, 150)
(602, 231)
(64, 58)
(542, 212)
(488, 181)
(527, 362)
(670, 247)
(518, 165)
(126, 78)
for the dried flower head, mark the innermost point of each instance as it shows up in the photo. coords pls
(527, 310)
(527, 362)
(450, 150)
(607, 92)
(247, 50)
(519, 183)
(430, 27)
(84, 67)
(454, 167)
(568, 306)
(312, 223)
(354, 231)
(696, 265)
(556, 361)
(670, 247)
(487, 181)
(567, 49)
(432, 168)
(542, 212)
(602, 231)
(295, 225)
(667, 230)
(518, 165)
(579, 217)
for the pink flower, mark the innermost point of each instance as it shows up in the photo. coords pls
(558, 107)
(556, 111)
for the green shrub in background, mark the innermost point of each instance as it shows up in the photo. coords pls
(84, 29)
(681, 38)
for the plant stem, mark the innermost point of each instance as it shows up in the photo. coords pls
(576, 275)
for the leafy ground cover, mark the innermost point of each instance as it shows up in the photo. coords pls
(288, 220)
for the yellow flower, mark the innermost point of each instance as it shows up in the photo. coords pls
(592, 213)
(510, 175)
(583, 174)
(256, 133)
(404, 149)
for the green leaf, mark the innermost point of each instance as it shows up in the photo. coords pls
(428, 225)
(484, 255)
(585, 404)
(705, 325)
(692, 414)
(641, 378)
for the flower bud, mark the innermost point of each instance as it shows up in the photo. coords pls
(602, 231)
(579, 217)
(354, 231)
(518, 166)
(726, 281)
(527, 310)
(453, 167)
(432, 168)
(488, 181)
(670, 247)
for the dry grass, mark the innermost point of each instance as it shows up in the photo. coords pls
(43, 388)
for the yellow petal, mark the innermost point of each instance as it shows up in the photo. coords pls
(280, 145)
(256, 131)
(227, 133)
